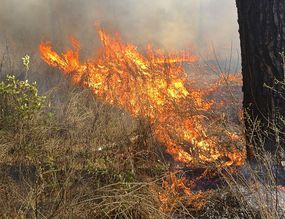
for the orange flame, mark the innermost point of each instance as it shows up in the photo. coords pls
(176, 191)
(152, 85)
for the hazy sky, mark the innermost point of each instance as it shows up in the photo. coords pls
(170, 24)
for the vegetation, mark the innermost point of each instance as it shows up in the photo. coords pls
(19, 101)
(74, 160)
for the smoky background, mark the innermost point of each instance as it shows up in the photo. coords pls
(198, 25)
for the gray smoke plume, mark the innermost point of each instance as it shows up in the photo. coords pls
(168, 24)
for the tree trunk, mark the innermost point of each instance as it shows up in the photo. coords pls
(262, 36)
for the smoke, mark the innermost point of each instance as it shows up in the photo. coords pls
(168, 24)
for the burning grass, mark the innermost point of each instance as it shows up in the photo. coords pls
(136, 139)
(155, 87)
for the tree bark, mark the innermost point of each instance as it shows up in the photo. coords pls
(262, 36)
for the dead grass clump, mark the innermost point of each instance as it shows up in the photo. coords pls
(78, 158)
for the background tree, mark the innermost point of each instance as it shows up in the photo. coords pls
(262, 36)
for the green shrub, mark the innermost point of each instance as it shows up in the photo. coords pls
(19, 101)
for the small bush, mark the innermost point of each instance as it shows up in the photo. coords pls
(19, 101)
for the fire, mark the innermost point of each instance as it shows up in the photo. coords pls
(176, 191)
(152, 85)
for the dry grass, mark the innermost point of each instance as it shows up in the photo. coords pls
(80, 159)
(259, 185)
